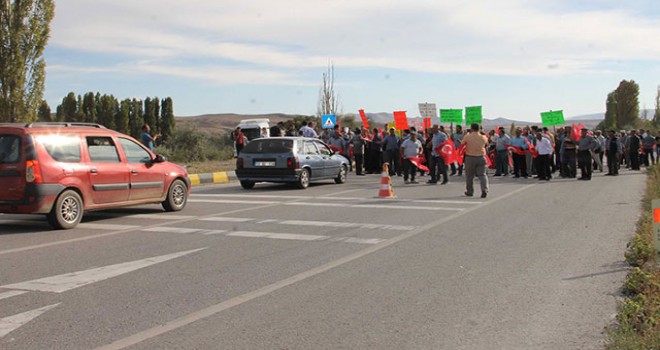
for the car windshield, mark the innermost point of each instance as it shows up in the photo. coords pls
(269, 146)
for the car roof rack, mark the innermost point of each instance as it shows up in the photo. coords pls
(64, 124)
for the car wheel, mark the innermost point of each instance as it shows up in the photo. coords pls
(177, 196)
(341, 178)
(67, 211)
(303, 180)
(246, 184)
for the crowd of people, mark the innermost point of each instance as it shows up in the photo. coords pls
(530, 152)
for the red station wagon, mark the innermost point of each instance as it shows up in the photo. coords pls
(63, 169)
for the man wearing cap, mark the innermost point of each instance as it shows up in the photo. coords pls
(585, 146)
(475, 162)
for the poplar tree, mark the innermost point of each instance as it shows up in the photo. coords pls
(627, 104)
(656, 116)
(44, 112)
(122, 122)
(24, 33)
(167, 121)
(89, 108)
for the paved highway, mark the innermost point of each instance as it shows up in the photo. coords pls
(536, 265)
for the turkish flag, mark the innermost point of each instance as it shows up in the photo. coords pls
(575, 132)
(490, 159)
(516, 150)
(365, 122)
(447, 151)
(418, 163)
(461, 154)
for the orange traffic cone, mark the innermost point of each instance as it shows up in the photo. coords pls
(385, 190)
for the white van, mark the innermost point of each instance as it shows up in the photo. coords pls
(251, 128)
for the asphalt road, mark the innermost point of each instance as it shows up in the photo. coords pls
(536, 265)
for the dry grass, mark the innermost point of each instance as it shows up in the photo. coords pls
(211, 166)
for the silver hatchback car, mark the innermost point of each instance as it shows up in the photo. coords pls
(298, 160)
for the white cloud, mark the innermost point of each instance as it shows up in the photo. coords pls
(506, 37)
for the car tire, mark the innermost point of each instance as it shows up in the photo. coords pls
(177, 196)
(303, 179)
(341, 177)
(67, 211)
(248, 185)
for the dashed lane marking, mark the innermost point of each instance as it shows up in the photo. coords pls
(11, 293)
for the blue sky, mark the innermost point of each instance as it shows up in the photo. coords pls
(516, 58)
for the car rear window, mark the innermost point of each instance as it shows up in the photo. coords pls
(62, 148)
(269, 146)
(10, 149)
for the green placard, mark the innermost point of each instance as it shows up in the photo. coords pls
(451, 116)
(473, 115)
(552, 118)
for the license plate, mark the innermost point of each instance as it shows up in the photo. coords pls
(261, 163)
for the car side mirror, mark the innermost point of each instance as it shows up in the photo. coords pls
(159, 159)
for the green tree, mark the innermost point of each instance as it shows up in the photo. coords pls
(136, 119)
(89, 108)
(24, 32)
(157, 119)
(122, 122)
(69, 108)
(44, 112)
(610, 121)
(167, 122)
(108, 107)
(149, 112)
(627, 104)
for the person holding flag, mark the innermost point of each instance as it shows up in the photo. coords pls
(410, 148)
(586, 146)
(457, 137)
(437, 164)
(518, 146)
(476, 144)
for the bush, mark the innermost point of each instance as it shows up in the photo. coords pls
(188, 144)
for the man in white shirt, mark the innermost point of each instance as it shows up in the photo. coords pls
(410, 148)
(544, 148)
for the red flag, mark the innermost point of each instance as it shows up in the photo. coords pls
(490, 159)
(400, 120)
(516, 150)
(461, 154)
(365, 122)
(575, 133)
(418, 163)
(447, 151)
(532, 149)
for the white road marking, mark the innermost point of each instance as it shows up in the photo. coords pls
(229, 201)
(371, 206)
(213, 232)
(327, 197)
(68, 281)
(165, 229)
(164, 216)
(225, 219)
(266, 290)
(11, 323)
(299, 237)
(11, 293)
(346, 224)
(92, 226)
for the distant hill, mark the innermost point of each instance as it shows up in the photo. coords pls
(222, 123)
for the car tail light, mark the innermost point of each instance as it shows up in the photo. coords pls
(33, 172)
(292, 163)
(239, 163)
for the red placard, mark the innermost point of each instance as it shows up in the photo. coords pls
(400, 120)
